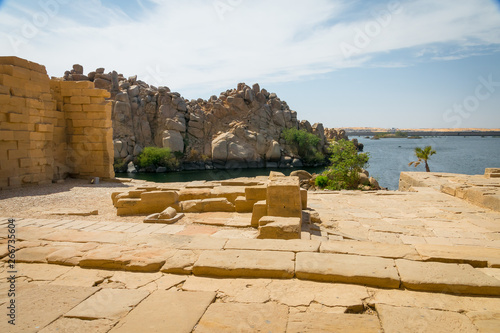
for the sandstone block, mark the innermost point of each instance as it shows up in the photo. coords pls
(283, 197)
(446, 278)
(217, 205)
(403, 319)
(243, 205)
(108, 303)
(76, 325)
(370, 271)
(242, 317)
(167, 311)
(273, 227)
(191, 206)
(33, 303)
(384, 250)
(80, 100)
(332, 322)
(303, 198)
(256, 192)
(474, 255)
(234, 263)
(273, 245)
(259, 210)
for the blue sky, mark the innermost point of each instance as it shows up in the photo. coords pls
(403, 64)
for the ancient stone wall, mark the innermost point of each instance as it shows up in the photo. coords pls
(50, 128)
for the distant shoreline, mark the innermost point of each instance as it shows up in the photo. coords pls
(424, 132)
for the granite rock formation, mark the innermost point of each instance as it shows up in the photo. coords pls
(240, 128)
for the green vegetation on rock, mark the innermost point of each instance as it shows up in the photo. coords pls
(305, 144)
(345, 165)
(158, 157)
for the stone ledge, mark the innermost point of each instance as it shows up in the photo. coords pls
(343, 268)
(236, 263)
(446, 278)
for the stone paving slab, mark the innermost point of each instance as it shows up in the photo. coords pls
(180, 262)
(343, 268)
(330, 322)
(474, 255)
(166, 311)
(393, 251)
(446, 278)
(39, 305)
(401, 319)
(242, 263)
(433, 301)
(291, 245)
(485, 321)
(108, 304)
(240, 317)
(75, 325)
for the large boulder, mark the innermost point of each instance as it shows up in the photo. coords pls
(173, 140)
(273, 154)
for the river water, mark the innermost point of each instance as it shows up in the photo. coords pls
(388, 158)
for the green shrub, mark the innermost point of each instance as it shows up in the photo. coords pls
(304, 143)
(345, 165)
(321, 181)
(154, 156)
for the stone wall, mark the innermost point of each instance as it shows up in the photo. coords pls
(50, 129)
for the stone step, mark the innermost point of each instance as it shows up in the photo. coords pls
(446, 278)
(343, 268)
(242, 263)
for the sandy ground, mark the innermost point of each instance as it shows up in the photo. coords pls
(74, 195)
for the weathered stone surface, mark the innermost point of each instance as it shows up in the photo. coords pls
(273, 245)
(485, 321)
(283, 197)
(234, 263)
(383, 250)
(370, 271)
(239, 317)
(35, 254)
(167, 311)
(108, 304)
(332, 322)
(40, 272)
(75, 325)
(446, 278)
(232, 290)
(435, 301)
(173, 140)
(131, 280)
(80, 277)
(181, 262)
(401, 319)
(473, 255)
(242, 205)
(274, 227)
(41, 305)
(259, 210)
(256, 192)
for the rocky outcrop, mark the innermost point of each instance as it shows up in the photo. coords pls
(240, 128)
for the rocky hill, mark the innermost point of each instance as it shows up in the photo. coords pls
(240, 128)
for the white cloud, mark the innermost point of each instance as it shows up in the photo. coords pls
(187, 45)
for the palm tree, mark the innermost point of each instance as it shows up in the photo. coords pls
(423, 155)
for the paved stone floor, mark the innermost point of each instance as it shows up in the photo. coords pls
(386, 261)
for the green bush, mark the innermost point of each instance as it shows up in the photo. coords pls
(304, 143)
(157, 157)
(345, 165)
(321, 181)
